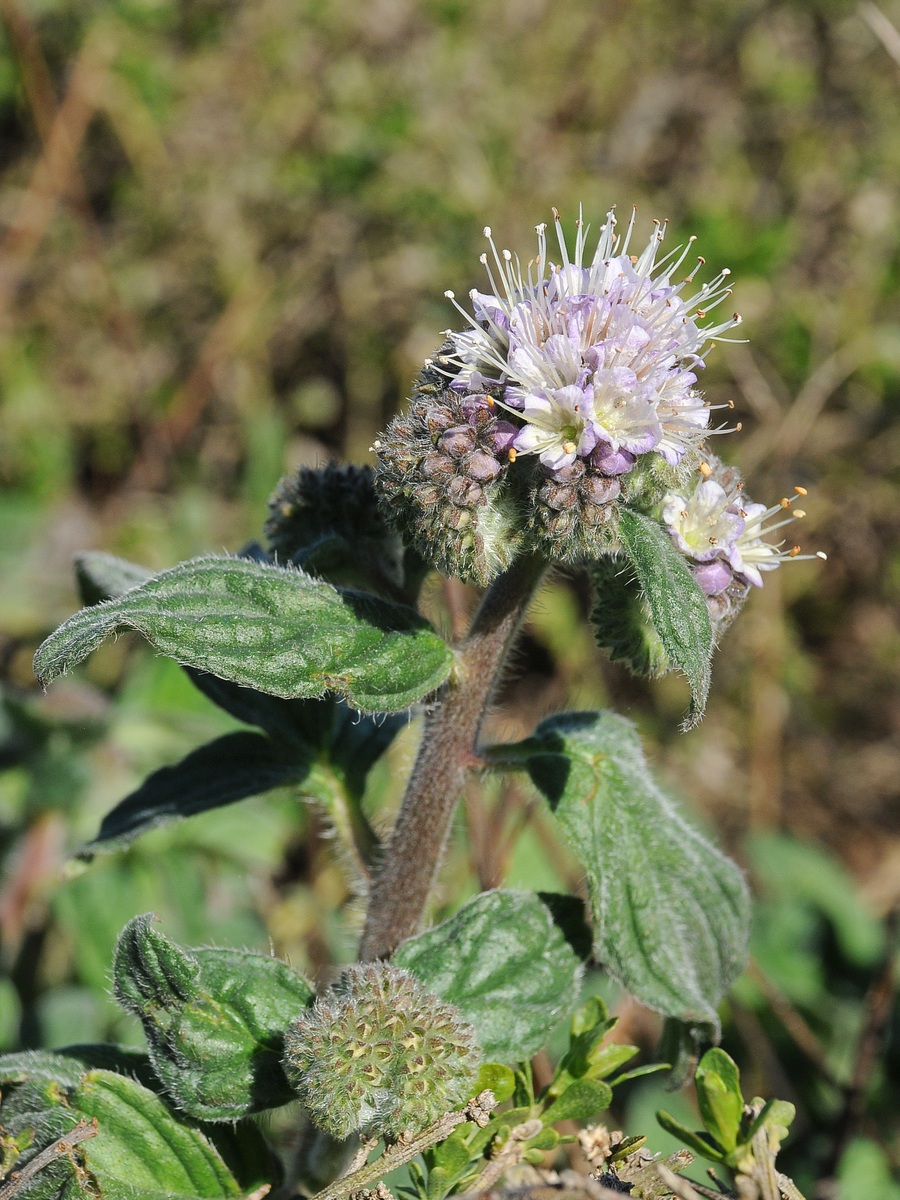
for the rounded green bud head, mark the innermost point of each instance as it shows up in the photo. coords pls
(377, 1055)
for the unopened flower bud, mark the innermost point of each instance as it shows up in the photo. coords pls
(379, 1055)
(443, 486)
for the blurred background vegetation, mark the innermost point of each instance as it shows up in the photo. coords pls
(225, 231)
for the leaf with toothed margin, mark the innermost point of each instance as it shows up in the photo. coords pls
(670, 913)
(275, 630)
(505, 965)
(322, 746)
(214, 1020)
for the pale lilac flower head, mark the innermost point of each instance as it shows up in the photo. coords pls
(596, 355)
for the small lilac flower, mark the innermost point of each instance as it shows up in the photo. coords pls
(725, 537)
(617, 329)
(559, 426)
(625, 415)
(753, 553)
(704, 526)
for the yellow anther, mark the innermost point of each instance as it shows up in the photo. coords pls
(799, 513)
(513, 454)
(801, 491)
(705, 470)
(569, 447)
(793, 552)
(785, 503)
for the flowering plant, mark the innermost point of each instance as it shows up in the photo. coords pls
(563, 426)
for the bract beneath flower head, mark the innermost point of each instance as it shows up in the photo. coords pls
(615, 326)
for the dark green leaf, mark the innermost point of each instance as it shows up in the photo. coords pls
(677, 604)
(719, 1097)
(621, 618)
(671, 914)
(503, 962)
(276, 630)
(229, 769)
(583, 1100)
(214, 1020)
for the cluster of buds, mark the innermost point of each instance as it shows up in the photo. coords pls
(379, 1055)
(442, 475)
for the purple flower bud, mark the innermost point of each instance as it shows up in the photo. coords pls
(482, 466)
(502, 436)
(434, 466)
(611, 462)
(600, 489)
(474, 407)
(713, 577)
(464, 492)
(458, 440)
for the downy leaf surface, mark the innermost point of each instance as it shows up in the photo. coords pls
(676, 603)
(505, 965)
(214, 1020)
(670, 913)
(268, 628)
(141, 1151)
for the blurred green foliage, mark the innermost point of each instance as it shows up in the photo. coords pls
(225, 230)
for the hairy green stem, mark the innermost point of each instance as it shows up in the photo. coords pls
(449, 742)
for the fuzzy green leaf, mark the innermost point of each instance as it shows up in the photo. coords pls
(670, 913)
(142, 1150)
(275, 630)
(719, 1097)
(505, 965)
(677, 604)
(621, 619)
(214, 1020)
(583, 1100)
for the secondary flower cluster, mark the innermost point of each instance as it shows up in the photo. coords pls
(378, 1054)
(724, 535)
